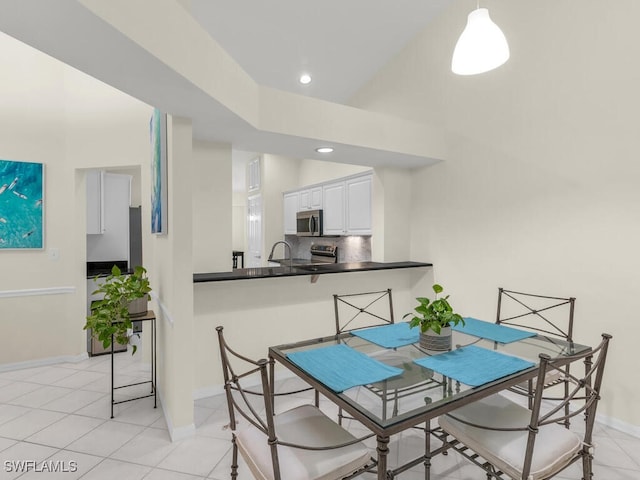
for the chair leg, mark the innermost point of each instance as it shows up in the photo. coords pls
(567, 422)
(234, 459)
(587, 465)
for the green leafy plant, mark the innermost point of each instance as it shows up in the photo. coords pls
(110, 316)
(434, 314)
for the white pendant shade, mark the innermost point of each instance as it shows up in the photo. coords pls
(481, 47)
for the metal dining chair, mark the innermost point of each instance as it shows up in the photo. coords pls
(299, 443)
(507, 440)
(357, 311)
(547, 315)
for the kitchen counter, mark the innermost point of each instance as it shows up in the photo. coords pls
(303, 270)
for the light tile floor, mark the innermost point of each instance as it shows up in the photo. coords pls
(59, 415)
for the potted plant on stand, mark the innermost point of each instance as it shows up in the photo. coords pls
(125, 296)
(435, 318)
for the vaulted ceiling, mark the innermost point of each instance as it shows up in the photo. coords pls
(341, 44)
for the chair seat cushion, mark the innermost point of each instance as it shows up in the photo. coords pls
(555, 446)
(304, 425)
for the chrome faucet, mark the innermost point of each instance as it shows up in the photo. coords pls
(286, 244)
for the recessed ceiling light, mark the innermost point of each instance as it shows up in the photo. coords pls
(305, 79)
(324, 149)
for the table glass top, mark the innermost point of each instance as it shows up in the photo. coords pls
(419, 390)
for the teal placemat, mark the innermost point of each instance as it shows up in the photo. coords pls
(492, 331)
(340, 367)
(390, 336)
(474, 365)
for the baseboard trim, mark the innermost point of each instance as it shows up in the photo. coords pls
(205, 392)
(37, 291)
(43, 362)
(176, 433)
(618, 424)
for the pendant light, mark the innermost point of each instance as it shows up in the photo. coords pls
(481, 47)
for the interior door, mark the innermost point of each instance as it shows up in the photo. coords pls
(254, 232)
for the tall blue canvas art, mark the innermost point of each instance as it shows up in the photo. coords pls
(158, 127)
(21, 205)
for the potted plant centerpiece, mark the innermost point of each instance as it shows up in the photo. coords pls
(435, 318)
(125, 296)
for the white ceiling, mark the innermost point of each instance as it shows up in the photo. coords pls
(341, 43)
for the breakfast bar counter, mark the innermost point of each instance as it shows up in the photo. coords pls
(303, 270)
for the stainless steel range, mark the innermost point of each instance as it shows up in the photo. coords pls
(323, 254)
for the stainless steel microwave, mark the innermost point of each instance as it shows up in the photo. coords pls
(309, 223)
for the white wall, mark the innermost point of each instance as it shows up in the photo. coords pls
(58, 116)
(539, 189)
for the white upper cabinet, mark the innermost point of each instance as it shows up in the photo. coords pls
(346, 204)
(95, 204)
(115, 200)
(358, 206)
(333, 209)
(290, 201)
(310, 199)
(253, 175)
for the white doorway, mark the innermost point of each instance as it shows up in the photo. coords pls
(254, 231)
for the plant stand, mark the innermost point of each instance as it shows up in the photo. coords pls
(151, 317)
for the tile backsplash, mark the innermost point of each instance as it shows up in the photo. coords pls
(350, 249)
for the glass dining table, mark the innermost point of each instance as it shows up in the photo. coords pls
(417, 385)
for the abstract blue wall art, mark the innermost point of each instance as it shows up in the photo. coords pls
(158, 127)
(21, 205)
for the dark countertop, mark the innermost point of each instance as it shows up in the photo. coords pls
(103, 268)
(321, 269)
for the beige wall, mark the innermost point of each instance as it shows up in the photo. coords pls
(318, 171)
(391, 241)
(58, 116)
(212, 207)
(262, 312)
(172, 280)
(278, 174)
(239, 221)
(539, 190)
